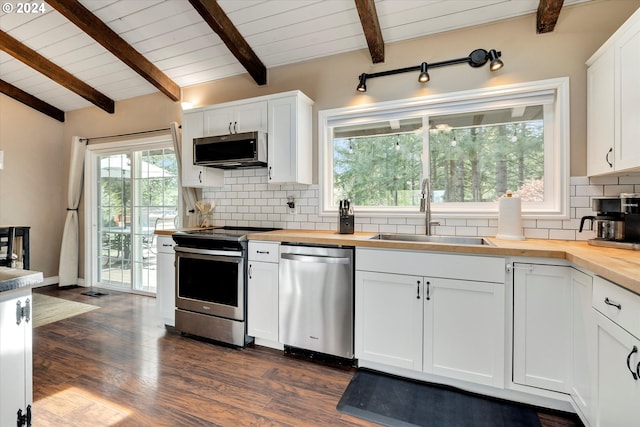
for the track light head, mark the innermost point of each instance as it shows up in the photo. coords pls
(424, 75)
(362, 86)
(496, 62)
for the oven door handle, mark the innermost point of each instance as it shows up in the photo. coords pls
(183, 249)
(316, 258)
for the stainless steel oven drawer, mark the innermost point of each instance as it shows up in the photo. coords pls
(211, 327)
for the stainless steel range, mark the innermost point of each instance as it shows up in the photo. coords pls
(211, 283)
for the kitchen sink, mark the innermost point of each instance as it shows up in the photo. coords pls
(449, 240)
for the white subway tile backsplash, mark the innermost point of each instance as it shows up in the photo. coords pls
(562, 234)
(536, 233)
(589, 190)
(579, 180)
(248, 200)
(603, 180)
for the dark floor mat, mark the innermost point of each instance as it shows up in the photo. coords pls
(394, 401)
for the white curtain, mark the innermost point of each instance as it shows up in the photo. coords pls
(68, 267)
(189, 196)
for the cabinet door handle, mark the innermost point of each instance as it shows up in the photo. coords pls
(200, 177)
(230, 128)
(612, 303)
(250, 270)
(633, 374)
(263, 252)
(607, 157)
(428, 291)
(167, 245)
(638, 370)
(235, 127)
(269, 172)
(418, 289)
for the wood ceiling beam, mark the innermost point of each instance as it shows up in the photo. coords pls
(371, 28)
(110, 40)
(31, 101)
(547, 17)
(219, 22)
(41, 64)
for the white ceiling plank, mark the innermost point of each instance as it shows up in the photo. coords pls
(172, 35)
(193, 45)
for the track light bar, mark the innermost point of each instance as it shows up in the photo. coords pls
(476, 59)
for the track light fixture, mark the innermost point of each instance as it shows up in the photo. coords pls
(424, 75)
(476, 59)
(362, 87)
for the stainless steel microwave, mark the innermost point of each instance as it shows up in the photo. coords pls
(237, 150)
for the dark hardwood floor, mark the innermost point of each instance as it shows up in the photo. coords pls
(118, 366)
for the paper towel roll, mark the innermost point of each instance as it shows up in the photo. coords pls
(510, 219)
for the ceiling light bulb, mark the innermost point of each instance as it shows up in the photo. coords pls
(424, 75)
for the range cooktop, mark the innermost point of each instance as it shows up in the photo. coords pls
(223, 233)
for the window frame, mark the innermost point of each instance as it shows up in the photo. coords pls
(556, 146)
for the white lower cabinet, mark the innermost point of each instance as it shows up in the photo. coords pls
(166, 279)
(583, 351)
(617, 314)
(618, 391)
(16, 390)
(464, 330)
(541, 325)
(388, 322)
(262, 293)
(448, 326)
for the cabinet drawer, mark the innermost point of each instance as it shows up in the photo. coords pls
(165, 244)
(263, 251)
(618, 304)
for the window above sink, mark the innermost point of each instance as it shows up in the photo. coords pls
(474, 146)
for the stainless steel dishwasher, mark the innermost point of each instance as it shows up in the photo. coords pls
(316, 299)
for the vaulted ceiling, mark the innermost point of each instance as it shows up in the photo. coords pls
(62, 55)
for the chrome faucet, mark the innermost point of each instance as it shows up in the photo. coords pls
(425, 206)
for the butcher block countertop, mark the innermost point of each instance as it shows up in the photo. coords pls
(620, 266)
(14, 278)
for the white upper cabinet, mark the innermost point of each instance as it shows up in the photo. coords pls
(613, 102)
(600, 121)
(285, 117)
(192, 175)
(246, 117)
(289, 152)
(627, 88)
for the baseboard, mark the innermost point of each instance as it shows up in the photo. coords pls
(54, 280)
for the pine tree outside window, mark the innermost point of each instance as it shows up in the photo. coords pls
(474, 147)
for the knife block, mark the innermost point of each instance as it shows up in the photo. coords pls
(345, 224)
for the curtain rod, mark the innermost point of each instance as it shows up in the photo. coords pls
(125, 134)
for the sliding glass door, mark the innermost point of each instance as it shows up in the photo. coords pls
(135, 193)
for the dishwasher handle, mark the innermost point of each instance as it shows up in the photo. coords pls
(320, 259)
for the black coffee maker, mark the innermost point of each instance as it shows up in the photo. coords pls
(630, 205)
(617, 221)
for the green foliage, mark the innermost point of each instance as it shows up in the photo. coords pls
(467, 164)
(378, 170)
